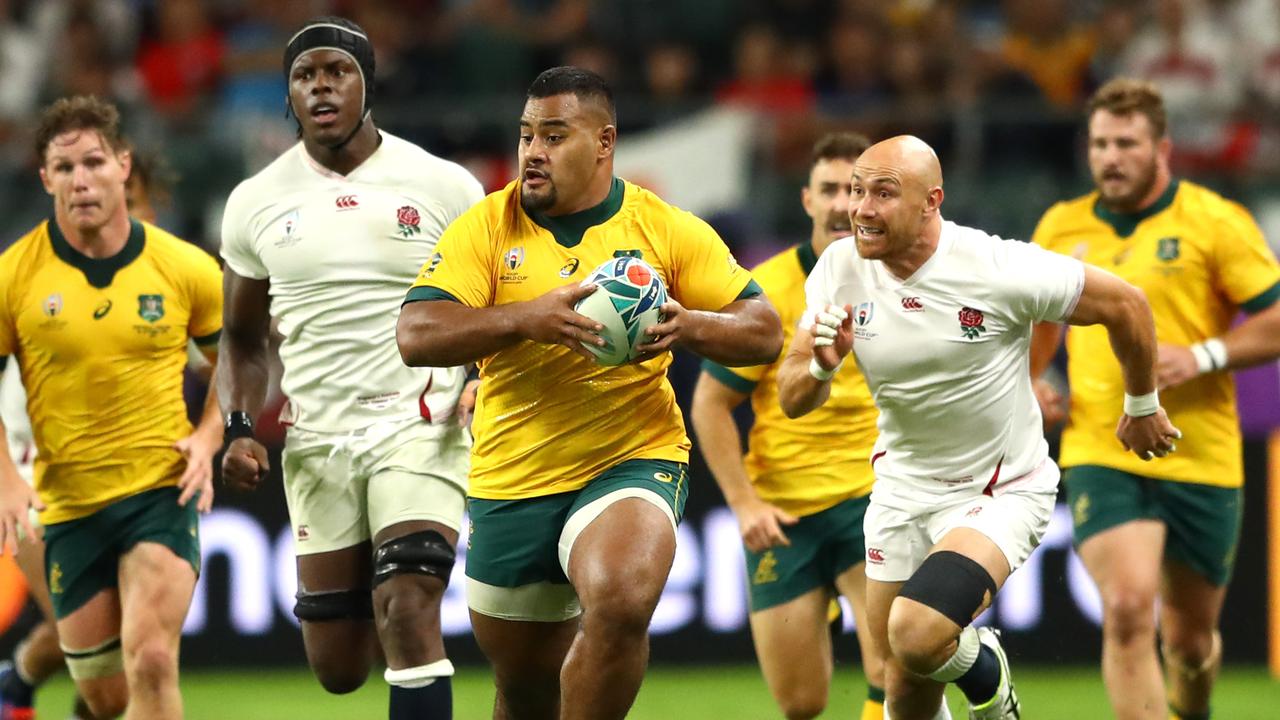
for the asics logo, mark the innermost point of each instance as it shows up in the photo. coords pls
(347, 202)
(912, 304)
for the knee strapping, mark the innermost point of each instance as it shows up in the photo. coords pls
(103, 660)
(1190, 672)
(421, 676)
(334, 605)
(420, 553)
(952, 584)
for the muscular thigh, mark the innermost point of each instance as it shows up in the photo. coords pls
(155, 593)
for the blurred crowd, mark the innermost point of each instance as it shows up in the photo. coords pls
(201, 79)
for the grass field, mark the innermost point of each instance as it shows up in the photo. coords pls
(669, 693)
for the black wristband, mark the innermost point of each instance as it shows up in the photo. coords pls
(238, 425)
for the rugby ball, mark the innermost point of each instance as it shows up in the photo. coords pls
(628, 297)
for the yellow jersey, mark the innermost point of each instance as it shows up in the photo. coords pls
(547, 420)
(1200, 259)
(101, 343)
(811, 463)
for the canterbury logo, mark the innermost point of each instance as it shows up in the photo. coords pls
(347, 202)
(912, 304)
(875, 556)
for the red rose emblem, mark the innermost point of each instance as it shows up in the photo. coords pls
(970, 317)
(408, 215)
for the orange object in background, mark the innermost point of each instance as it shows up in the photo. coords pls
(13, 592)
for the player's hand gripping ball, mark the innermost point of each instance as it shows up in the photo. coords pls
(628, 297)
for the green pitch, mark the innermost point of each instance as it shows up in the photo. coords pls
(669, 693)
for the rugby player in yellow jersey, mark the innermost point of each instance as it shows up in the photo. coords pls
(803, 489)
(38, 656)
(1167, 529)
(98, 309)
(579, 472)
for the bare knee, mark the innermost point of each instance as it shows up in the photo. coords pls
(915, 641)
(339, 672)
(621, 614)
(407, 605)
(106, 700)
(1129, 615)
(802, 702)
(1190, 649)
(152, 665)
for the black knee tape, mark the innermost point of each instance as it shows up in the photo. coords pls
(952, 584)
(334, 605)
(421, 553)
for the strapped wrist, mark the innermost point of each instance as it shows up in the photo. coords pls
(820, 373)
(1141, 405)
(1211, 355)
(238, 425)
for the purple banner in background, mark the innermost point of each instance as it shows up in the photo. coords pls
(1258, 398)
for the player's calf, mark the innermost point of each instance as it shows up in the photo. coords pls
(410, 575)
(99, 676)
(336, 631)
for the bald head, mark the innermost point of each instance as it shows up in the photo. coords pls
(908, 159)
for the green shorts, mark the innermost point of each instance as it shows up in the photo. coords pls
(82, 556)
(516, 542)
(1202, 521)
(823, 545)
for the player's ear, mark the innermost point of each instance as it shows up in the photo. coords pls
(1164, 149)
(125, 158)
(933, 200)
(607, 140)
(44, 180)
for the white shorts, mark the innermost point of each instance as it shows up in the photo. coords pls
(902, 527)
(343, 488)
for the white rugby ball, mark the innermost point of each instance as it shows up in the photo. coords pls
(629, 293)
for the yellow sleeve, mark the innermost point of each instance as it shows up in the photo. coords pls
(462, 266)
(8, 315)
(1245, 269)
(1046, 229)
(205, 289)
(705, 275)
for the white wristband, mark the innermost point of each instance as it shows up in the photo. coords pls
(1211, 355)
(820, 373)
(1141, 405)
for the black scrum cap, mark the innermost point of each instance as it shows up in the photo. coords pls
(334, 33)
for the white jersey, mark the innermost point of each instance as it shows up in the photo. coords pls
(340, 253)
(17, 424)
(946, 353)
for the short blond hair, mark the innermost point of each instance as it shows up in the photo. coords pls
(81, 112)
(1126, 96)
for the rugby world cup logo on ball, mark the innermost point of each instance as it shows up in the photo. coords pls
(628, 297)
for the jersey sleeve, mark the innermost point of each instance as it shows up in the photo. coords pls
(205, 288)
(705, 276)
(1039, 285)
(462, 267)
(237, 238)
(1245, 269)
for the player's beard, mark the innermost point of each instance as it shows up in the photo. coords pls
(1128, 202)
(538, 203)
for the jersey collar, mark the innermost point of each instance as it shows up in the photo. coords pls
(569, 229)
(808, 258)
(98, 271)
(1124, 224)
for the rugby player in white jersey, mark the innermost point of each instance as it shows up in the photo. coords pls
(329, 235)
(939, 317)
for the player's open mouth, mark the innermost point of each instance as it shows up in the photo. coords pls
(535, 178)
(869, 232)
(324, 114)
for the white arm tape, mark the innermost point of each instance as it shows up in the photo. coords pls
(1141, 405)
(1211, 355)
(820, 373)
